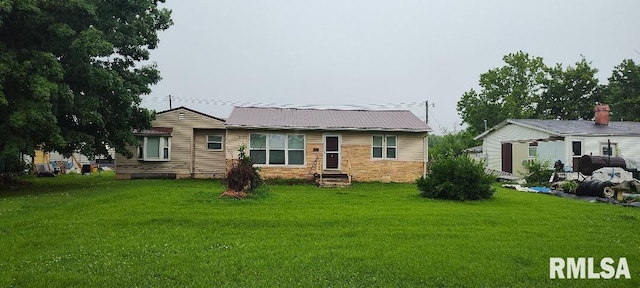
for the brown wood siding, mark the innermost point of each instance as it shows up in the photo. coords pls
(182, 145)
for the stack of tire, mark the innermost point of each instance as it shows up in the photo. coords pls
(596, 188)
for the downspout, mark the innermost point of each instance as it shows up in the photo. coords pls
(425, 154)
(193, 153)
(568, 152)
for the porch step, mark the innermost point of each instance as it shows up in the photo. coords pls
(335, 175)
(335, 180)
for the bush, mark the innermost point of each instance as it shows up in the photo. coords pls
(11, 162)
(538, 171)
(243, 176)
(456, 178)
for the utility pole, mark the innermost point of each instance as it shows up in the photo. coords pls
(426, 115)
(170, 102)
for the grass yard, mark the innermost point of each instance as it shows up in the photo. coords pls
(94, 231)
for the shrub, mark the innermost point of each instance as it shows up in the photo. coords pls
(569, 186)
(243, 176)
(456, 178)
(538, 171)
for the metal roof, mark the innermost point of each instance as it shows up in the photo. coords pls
(325, 119)
(573, 127)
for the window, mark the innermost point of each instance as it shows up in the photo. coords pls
(604, 148)
(384, 147)
(258, 148)
(533, 150)
(154, 148)
(377, 146)
(392, 147)
(214, 142)
(576, 148)
(277, 149)
(296, 149)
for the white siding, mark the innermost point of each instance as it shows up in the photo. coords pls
(628, 147)
(552, 151)
(492, 143)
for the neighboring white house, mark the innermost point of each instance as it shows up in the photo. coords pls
(508, 145)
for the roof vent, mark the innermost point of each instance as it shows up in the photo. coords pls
(602, 114)
(181, 116)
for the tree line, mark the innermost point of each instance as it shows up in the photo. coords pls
(525, 87)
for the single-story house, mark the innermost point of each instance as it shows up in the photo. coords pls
(182, 143)
(508, 145)
(388, 146)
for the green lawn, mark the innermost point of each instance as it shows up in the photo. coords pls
(88, 231)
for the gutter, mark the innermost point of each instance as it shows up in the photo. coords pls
(298, 128)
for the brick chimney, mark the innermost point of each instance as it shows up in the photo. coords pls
(602, 114)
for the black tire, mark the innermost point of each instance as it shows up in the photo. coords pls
(583, 188)
(606, 191)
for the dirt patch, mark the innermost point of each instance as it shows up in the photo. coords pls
(234, 194)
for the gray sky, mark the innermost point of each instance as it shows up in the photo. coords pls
(362, 52)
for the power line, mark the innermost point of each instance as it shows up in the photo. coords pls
(194, 100)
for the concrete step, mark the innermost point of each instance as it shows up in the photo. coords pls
(333, 182)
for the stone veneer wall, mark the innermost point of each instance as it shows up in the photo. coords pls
(357, 159)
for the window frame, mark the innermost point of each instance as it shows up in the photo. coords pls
(573, 154)
(533, 146)
(374, 146)
(385, 146)
(208, 141)
(268, 149)
(612, 153)
(164, 149)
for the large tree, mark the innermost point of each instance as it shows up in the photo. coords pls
(72, 73)
(623, 91)
(569, 94)
(510, 91)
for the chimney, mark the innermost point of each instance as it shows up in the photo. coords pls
(602, 114)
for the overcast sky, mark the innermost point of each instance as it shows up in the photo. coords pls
(343, 53)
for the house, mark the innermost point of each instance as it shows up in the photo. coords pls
(74, 163)
(508, 145)
(388, 146)
(182, 143)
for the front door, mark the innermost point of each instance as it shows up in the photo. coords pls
(331, 152)
(507, 157)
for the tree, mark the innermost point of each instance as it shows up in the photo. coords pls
(569, 94)
(623, 91)
(510, 91)
(71, 73)
(450, 144)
